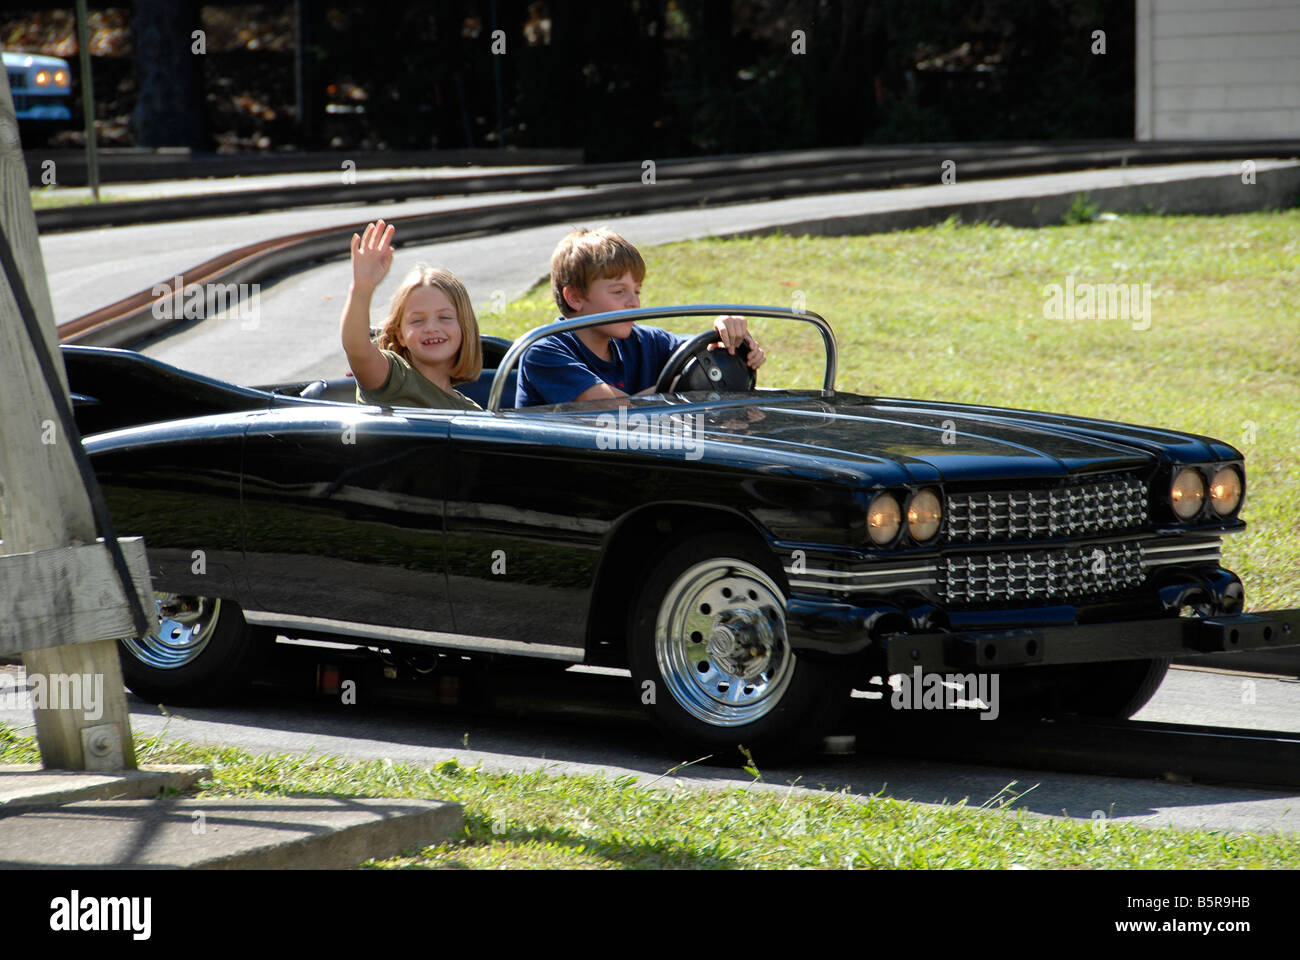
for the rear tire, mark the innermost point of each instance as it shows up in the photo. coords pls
(204, 652)
(711, 659)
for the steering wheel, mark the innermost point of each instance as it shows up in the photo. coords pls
(693, 366)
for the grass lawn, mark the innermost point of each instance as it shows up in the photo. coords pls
(536, 820)
(958, 313)
(49, 200)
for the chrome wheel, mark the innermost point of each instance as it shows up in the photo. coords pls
(185, 625)
(721, 644)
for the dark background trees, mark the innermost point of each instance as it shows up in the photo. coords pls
(168, 75)
(620, 80)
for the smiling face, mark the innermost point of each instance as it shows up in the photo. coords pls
(430, 329)
(605, 295)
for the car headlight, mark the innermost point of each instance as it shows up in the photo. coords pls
(924, 514)
(60, 78)
(42, 78)
(1225, 491)
(883, 519)
(1187, 495)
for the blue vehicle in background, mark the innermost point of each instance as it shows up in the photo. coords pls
(41, 88)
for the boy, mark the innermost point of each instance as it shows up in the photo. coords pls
(597, 271)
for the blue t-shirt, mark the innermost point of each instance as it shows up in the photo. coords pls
(560, 368)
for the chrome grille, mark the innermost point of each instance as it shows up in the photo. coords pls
(1062, 573)
(1080, 508)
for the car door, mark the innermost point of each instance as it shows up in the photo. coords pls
(527, 512)
(343, 520)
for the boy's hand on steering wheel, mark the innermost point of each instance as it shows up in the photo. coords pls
(372, 255)
(734, 331)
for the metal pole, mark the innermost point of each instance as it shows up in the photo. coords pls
(88, 99)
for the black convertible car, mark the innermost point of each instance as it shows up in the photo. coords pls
(749, 555)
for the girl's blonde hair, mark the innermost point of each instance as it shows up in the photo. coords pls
(469, 359)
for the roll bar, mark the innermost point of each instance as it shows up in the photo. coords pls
(564, 325)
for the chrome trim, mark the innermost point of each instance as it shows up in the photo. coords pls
(1169, 561)
(860, 587)
(1196, 551)
(183, 633)
(432, 638)
(1202, 545)
(1033, 565)
(1191, 558)
(889, 572)
(859, 581)
(563, 325)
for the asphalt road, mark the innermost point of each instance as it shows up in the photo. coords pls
(598, 732)
(88, 269)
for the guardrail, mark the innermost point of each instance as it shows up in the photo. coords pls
(142, 165)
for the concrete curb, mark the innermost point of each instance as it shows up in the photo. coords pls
(326, 833)
(69, 819)
(1276, 187)
(27, 785)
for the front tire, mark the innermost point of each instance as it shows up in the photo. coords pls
(1109, 691)
(712, 661)
(203, 652)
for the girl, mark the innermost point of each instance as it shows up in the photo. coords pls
(428, 344)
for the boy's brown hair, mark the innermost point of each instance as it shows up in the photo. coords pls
(469, 359)
(585, 256)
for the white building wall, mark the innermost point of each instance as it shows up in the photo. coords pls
(1218, 68)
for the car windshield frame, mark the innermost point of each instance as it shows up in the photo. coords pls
(566, 324)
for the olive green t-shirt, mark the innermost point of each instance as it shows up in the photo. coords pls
(408, 387)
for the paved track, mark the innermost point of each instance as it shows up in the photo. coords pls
(89, 269)
(617, 744)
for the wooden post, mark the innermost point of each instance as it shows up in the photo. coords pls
(45, 506)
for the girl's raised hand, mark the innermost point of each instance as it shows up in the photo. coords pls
(372, 255)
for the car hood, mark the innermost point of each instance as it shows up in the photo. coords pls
(16, 60)
(885, 438)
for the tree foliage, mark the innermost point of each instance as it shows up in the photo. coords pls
(625, 80)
